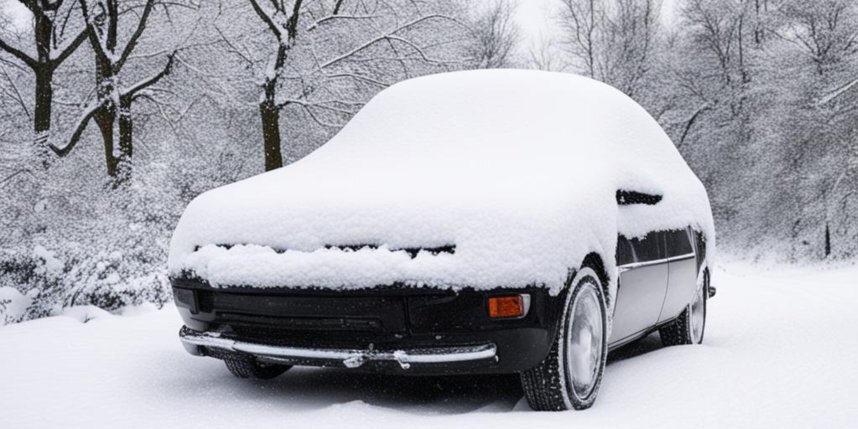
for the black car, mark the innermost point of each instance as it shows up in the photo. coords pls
(265, 292)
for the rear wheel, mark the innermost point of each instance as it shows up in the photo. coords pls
(571, 374)
(248, 367)
(689, 327)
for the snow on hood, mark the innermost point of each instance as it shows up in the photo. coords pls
(517, 169)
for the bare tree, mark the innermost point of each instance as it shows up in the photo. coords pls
(495, 35)
(710, 67)
(546, 54)
(322, 48)
(763, 104)
(825, 30)
(821, 41)
(612, 40)
(52, 21)
(112, 106)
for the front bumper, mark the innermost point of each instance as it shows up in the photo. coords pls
(349, 358)
(387, 329)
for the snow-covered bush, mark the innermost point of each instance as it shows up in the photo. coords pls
(13, 305)
(100, 245)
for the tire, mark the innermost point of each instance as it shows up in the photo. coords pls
(248, 367)
(690, 326)
(554, 384)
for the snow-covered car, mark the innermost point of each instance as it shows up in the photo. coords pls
(472, 222)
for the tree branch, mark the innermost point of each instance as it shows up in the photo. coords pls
(691, 122)
(358, 77)
(34, 8)
(75, 137)
(70, 48)
(13, 175)
(267, 19)
(292, 24)
(385, 36)
(17, 95)
(94, 38)
(233, 47)
(333, 17)
(132, 42)
(152, 80)
(316, 119)
(30, 62)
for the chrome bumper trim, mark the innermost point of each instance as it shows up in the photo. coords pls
(349, 358)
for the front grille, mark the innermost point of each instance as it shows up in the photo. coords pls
(309, 313)
(311, 338)
(302, 323)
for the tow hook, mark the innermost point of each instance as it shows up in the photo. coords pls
(712, 291)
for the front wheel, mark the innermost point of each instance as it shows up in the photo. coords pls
(571, 374)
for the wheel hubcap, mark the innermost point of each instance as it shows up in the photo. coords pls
(698, 315)
(585, 341)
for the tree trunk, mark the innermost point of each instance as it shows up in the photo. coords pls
(44, 97)
(43, 29)
(42, 112)
(270, 115)
(105, 119)
(126, 148)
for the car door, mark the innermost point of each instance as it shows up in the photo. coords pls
(682, 272)
(642, 285)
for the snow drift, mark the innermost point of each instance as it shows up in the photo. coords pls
(514, 172)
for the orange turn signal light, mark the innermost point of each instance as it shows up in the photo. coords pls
(506, 306)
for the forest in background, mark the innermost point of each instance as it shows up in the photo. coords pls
(114, 114)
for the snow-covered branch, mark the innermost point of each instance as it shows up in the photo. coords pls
(132, 42)
(837, 92)
(334, 16)
(77, 132)
(389, 35)
(68, 50)
(145, 83)
(266, 18)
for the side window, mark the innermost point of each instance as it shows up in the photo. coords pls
(678, 242)
(649, 248)
(625, 253)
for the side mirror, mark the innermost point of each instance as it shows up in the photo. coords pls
(625, 198)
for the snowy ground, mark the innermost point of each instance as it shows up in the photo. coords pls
(780, 351)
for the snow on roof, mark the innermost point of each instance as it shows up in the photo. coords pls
(517, 169)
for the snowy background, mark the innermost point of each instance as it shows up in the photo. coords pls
(115, 114)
